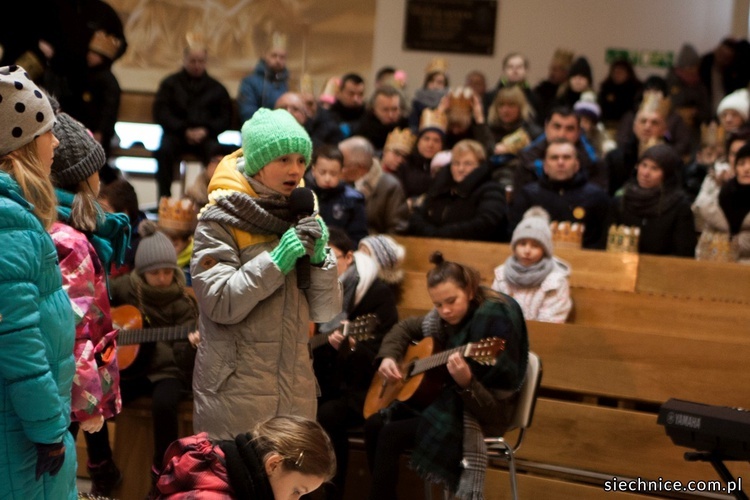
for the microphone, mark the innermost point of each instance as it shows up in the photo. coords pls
(302, 204)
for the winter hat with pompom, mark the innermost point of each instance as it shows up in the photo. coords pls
(155, 251)
(534, 226)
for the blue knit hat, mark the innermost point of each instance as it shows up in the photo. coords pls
(271, 134)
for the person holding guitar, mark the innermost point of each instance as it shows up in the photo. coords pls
(156, 287)
(87, 241)
(444, 430)
(343, 365)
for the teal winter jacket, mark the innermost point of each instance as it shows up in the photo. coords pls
(37, 333)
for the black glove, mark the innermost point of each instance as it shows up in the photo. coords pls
(49, 458)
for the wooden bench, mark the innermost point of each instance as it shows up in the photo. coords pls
(645, 329)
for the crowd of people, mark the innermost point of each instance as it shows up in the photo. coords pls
(274, 281)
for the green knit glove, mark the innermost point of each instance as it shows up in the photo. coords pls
(290, 249)
(319, 253)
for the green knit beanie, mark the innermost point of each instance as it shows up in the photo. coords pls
(271, 134)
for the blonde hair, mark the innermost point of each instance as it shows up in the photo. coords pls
(24, 165)
(85, 211)
(470, 146)
(301, 443)
(510, 95)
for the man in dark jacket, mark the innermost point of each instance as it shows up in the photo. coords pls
(564, 124)
(349, 107)
(384, 114)
(564, 191)
(193, 109)
(268, 81)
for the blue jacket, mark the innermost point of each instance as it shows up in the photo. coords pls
(261, 89)
(37, 333)
(342, 206)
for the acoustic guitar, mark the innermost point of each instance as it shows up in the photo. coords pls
(360, 328)
(418, 360)
(135, 344)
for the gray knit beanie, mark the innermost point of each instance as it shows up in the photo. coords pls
(388, 254)
(78, 156)
(25, 112)
(534, 226)
(155, 251)
(271, 134)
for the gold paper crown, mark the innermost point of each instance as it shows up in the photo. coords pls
(516, 141)
(105, 44)
(195, 41)
(432, 118)
(278, 41)
(437, 65)
(563, 57)
(623, 238)
(400, 140)
(461, 99)
(712, 135)
(717, 247)
(177, 214)
(566, 234)
(655, 102)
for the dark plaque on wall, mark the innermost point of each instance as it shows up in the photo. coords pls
(464, 26)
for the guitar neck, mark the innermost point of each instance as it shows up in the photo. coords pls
(360, 329)
(430, 362)
(158, 334)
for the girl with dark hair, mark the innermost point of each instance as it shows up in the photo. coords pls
(446, 436)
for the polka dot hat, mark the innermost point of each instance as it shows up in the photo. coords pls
(25, 112)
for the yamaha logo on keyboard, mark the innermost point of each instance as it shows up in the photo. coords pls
(683, 420)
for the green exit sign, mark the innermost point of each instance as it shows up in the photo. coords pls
(643, 58)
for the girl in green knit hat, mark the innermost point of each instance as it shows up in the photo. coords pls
(254, 361)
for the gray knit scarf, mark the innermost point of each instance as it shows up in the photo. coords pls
(527, 277)
(267, 214)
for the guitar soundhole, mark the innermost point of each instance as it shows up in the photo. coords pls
(408, 372)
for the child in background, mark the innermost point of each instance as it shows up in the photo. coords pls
(340, 204)
(119, 196)
(87, 242)
(177, 220)
(343, 366)
(37, 330)
(532, 275)
(389, 256)
(198, 191)
(157, 288)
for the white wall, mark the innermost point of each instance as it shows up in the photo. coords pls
(588, 27)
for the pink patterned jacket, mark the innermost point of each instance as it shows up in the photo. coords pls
(96, 384)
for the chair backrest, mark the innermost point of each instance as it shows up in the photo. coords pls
(527, 394)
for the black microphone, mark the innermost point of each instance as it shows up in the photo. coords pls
(302, 204)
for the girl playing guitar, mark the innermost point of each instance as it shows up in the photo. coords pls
(474, 398)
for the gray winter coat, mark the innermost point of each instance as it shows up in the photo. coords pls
(253, 361)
